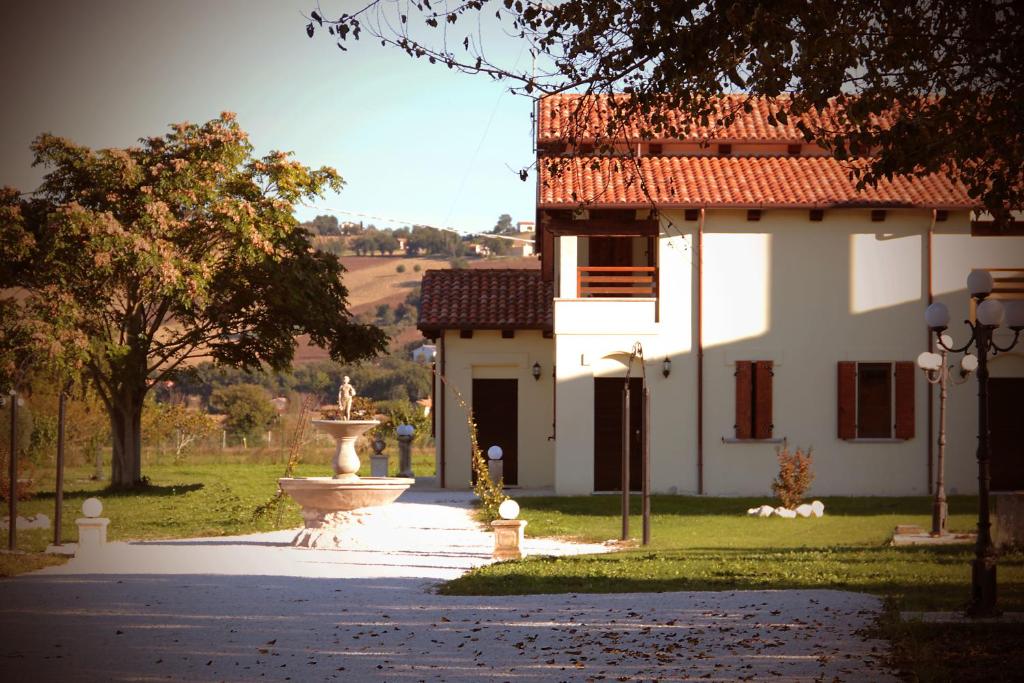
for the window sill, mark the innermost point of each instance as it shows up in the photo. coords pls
(734, 440)
(876, 440)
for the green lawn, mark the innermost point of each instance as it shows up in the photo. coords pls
(710, 544)
(208, 496)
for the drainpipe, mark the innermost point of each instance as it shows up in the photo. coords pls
(929, 335)
(700, 354)
(443, 415)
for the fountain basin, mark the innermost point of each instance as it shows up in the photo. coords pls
(326, 493)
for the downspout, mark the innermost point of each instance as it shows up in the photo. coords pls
(928, 345)
(444, 411)
(700, 354)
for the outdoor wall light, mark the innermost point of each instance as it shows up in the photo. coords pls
(666, 367)
(536, 371)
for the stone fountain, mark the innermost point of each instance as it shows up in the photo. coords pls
(343, 511)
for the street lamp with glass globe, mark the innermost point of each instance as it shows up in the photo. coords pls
(989, 314)
(938, 371)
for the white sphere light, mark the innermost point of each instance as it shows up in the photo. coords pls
(405, 430)
(947, 341)
(92, 507)
(509, 509)
(929, 361)
(969, 363)
(495, 452)
(980, 282)
(990, 313)
(1014, 314)
(937, 316)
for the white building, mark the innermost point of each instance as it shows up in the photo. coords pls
(773, 301)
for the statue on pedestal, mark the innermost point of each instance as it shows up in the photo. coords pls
(346, 392)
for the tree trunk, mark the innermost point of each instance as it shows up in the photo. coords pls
(126, 431)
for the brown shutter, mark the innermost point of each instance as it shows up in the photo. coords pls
(847, 399)
(547, 254)
(743, 391)
(904, 400)
(763, 399)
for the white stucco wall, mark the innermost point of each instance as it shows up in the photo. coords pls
(488, 356)
(804, 295)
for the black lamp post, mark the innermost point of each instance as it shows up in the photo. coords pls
(989, 315)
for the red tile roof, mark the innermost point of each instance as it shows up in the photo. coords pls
(734, 182)
(485, 299)
(555, 114)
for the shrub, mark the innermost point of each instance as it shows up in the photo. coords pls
(417, 268)
(247, 408)
(400, 268)
(795, 476)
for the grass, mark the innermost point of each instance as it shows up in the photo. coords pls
(709, 544)
(213, 494)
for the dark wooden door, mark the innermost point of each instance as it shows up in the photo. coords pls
(608, 432)
(610, 251)
(1006, 423)
(496, 409)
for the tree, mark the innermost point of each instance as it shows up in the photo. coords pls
(387, 243)
(183, 247)
(323, 225)
(247, 409)
(504, 225)
(908, 86)
(173, 421)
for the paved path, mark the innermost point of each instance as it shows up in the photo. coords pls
(253, 608)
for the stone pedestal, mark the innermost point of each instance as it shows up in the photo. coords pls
(378, 465)
(508, 538)
(1008, 519)
(92, 535)
(343, 530)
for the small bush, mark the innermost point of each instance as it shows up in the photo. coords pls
(795, 476)
(417, 268)
(400, 268)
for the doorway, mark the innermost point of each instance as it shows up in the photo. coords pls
(1005, 402)
(496, 410)
(608, 432)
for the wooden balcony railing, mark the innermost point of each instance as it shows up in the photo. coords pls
(616, 281)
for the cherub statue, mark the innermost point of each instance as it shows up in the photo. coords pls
(346, 392)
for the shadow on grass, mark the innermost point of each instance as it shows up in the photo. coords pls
(917, 578)
(146, 490)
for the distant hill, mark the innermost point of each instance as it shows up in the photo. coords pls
(375, 280)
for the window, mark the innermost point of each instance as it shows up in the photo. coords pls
(876, 400)
(754, 399)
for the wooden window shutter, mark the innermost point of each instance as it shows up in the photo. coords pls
(904, 409)
(763, 399)
(744, 381)
(847, 404)
(547, 255)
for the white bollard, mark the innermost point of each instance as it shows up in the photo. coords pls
(405, 434)
(508, 532)
(495, 466)
(92, 529)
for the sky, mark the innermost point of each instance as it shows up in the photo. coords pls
(413, 141)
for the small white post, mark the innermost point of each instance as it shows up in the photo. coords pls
(92, 529)
(508, 532)
(495, 466)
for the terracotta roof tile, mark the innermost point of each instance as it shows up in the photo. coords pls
(555, 118)
(488, 299)
(735, 181)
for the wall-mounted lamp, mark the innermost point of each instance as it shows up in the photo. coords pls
(666, 367)
(536, 371)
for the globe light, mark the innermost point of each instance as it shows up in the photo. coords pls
(980, 283)
(405, 430)
(929, 361)
(968, 364)
(508, 509)
(494, 452)
(946, 341)
(1014, 315)
(937, 316)
(990, 312)
(92, 507)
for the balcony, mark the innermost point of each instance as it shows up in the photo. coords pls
(619, 282)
